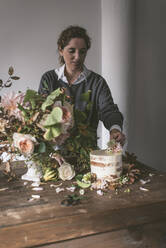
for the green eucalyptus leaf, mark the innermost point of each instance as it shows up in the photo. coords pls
(54, 117)
(55, 94)
(46, 104)
(51, 98)
(56, 131)
(48, 134)
(83, 185)
(52, 132)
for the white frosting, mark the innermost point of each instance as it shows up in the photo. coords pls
(104, 164)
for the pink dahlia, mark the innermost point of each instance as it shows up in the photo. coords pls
(10, 104)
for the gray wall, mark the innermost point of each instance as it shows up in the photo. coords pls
(118, 55)
(29, 30)
(147, 135)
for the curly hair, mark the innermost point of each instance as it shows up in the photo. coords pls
(70, 33)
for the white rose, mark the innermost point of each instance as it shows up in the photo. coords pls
(24, 142)
(66, 172)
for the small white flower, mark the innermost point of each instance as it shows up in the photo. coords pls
(82, 191)
(66, 172)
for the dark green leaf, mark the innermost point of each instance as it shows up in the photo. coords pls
(32, 97)
(79, 177)
(42, 147)
(86, 96)
(83, 185)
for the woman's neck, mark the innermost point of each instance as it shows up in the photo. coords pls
(72, 75)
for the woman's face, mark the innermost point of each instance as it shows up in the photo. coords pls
(74, 54)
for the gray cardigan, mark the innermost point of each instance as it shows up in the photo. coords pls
(103, 107)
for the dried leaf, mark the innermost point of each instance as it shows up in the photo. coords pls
(7, 167)
(131, 180)
(8, 84)
(11, 71)
(34, 117)
(15, 78)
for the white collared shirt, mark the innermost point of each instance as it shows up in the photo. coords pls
(83, 75)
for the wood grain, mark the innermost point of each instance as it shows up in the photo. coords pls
(121, 219)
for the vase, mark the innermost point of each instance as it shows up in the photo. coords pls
(34, 172)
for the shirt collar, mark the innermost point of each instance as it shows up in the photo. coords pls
(83, 75)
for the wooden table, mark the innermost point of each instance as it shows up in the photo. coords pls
(118, 220)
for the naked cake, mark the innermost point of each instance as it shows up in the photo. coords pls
(107, 163)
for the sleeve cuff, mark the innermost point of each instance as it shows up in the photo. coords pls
(116, 127)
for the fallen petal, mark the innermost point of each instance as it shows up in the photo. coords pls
(3, 189)
(37, 188)
(59, 190)
(144, 181)
(151, 175)
(35, 196)
(99, 192)
(55, 185)
(35, 184)
(143, 189)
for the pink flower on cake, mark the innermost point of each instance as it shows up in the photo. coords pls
(10, 104)
(24, 142)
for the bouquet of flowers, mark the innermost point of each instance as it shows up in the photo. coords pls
(46, 130)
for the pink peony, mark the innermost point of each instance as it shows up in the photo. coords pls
(24, 142)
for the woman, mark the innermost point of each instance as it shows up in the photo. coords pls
(73, 44)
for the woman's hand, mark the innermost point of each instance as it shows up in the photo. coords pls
(118, 136)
